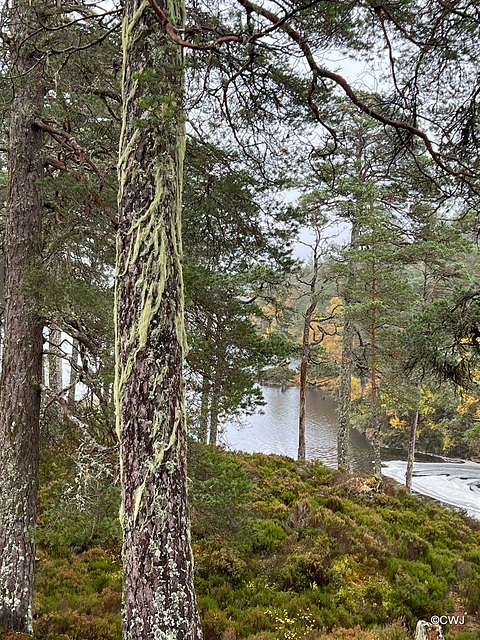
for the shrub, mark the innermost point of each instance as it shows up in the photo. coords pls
(268, 535)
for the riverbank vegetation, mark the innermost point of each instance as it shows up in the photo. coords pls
(283, 551)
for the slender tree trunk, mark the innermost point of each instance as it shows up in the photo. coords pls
(306, 342)
(411, 445)
(377, 458)
(22, 357)
(303, 379)
(214, 408)
(375, 426)
(158, 596)
(345, 387)
(344, 395)
(204, 402)
(2, 302)
(301, 415)
(72, 384)
(55, 373)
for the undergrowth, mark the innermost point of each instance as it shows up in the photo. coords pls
(283, 551)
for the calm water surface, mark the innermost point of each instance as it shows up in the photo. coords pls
(276, 429)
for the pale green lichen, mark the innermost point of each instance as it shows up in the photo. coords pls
(138, 499)
(150, 248)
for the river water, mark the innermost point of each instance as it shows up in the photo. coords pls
(275, 430)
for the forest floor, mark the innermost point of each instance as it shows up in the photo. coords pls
(283, 551)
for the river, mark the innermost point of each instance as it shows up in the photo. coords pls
(275, 430)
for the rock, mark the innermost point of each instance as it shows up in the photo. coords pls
(428, 631)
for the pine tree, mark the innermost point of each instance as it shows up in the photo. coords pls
(21, 375)
(158, 595)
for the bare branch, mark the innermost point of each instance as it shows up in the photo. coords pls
(172, 34)
(321, 72)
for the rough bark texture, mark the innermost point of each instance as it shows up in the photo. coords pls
(301, 415)
(55, 377)
(158, 596)
(22, 357)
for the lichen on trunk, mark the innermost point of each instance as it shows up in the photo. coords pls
(158, 596)
(21, 376)
(55, 381)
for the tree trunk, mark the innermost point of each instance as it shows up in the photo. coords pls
(411, 446)
(303, 378)
(377, 458)
(306, 340)
(301, 416)
(22, 357)
(375, 426)
(72, 384)
(344, 395)
(373, 364)
(158, 595)
(214, 410)
(345, 387)
(204, 402)
(55, 377)
(2, 301)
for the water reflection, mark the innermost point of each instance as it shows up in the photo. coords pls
(276, 429)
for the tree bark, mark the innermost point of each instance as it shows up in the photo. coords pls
(377, 458)
(158, 595)
(22, 356)
(345, 387)
(344, 395)
(306, 341)
(411, 445)
(303, 378)
(375, 425)
(72, 384)
(55, 373)
(204, 402)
